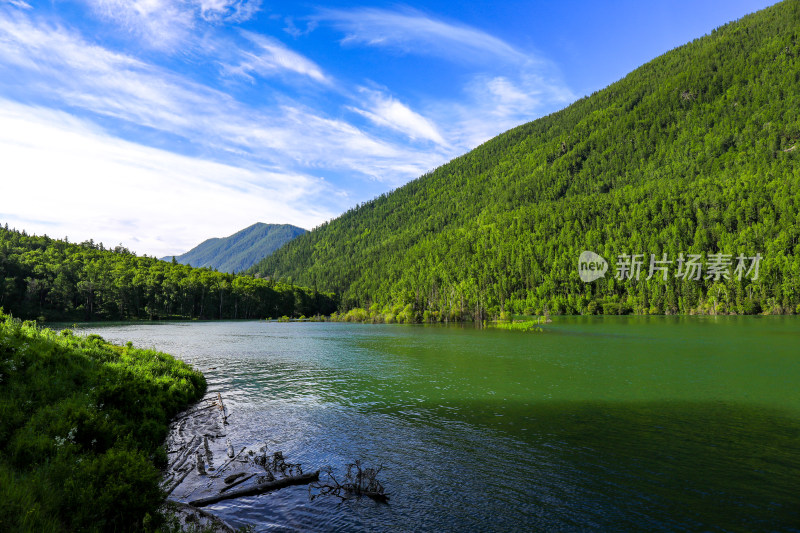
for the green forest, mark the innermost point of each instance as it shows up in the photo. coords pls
(52, 279)
(693, 153)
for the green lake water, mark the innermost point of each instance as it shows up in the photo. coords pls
(599, 424)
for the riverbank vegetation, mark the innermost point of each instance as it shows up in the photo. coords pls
(55, 280)
(695, 152)
(82, 423)
(407, 315)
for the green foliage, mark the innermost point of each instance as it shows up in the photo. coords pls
(81, 428)
(56, 280)
(527, 326)
(692, 152)
(241, 250)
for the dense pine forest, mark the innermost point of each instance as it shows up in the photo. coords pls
(52, 279)
(693, 153)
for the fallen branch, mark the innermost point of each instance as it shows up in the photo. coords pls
(225, 489)
(222, 408)
(258, 489)
(181, 459)
(175, 486)
(233, 477)
(187, 415)
(229, 461)
(357, 481)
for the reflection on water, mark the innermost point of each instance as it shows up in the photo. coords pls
(621, 424)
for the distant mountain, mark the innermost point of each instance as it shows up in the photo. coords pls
(241, 250)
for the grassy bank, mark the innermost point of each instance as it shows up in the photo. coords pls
(81, 428)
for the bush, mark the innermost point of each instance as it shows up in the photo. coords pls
(81, 425)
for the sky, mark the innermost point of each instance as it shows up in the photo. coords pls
(157, 124)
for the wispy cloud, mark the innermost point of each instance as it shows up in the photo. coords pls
(272, 57)
(296, 32)
(169, 24)
(157, 23)
(388, 112)
(18, 3)
(229, 10)
(100, 187)
(59, 65)
(416, 33)
(507, 86)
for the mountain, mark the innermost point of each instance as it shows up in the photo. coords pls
(241, 250)
(694, 152)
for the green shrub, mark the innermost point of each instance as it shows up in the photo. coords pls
(81, 428)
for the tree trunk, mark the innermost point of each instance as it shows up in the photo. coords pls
(258, 489)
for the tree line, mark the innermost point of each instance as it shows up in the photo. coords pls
(53, 279)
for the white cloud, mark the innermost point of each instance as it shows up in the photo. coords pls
(157, 23)
(494, 104)
(273, 57)
(91, 185)
(506, 87)
(55, 63)
(296, 32)
(228, 10)
(414, 32)
(58, 63)
(18, 3)
(388, 112)
(168, 24)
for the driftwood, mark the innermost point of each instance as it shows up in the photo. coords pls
(201, 468)
(222, 409)
(180, 460)
(192, 413)
(258, 489)
(229, 461)
(235, 483)
(180, 480)
(233, 477)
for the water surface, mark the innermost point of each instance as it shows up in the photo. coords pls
(613, 423)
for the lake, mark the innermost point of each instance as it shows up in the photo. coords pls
(599, 423)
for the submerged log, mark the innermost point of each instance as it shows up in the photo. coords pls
(235, 483)
(180, 480)
(228, 462)
(222, 408)
(233, 477)
(181, 460)
(258, 489)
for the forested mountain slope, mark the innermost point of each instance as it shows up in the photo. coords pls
(241, 250)
(52, 279)
(691, 153)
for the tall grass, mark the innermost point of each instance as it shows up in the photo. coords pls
(81, 427)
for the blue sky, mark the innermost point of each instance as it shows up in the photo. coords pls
(160, 123)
